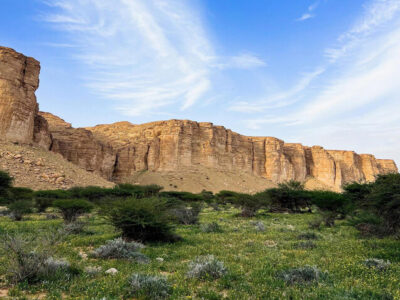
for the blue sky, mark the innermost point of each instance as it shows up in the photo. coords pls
(323, 72)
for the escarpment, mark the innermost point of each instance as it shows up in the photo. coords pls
(120, 150)
(175, 144)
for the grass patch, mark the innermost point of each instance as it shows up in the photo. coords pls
(252, 257)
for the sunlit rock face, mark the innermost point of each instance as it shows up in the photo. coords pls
(19, 79)
(117, 151)
(171, 145)
(80, 147)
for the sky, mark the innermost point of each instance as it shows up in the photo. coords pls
(318, 72)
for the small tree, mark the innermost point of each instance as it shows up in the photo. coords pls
(5, 183)
(140, 191)
(20, 208)
(289, 196)
(330, 204)
(186, 206)
(20, 193)
(384, 202)
(71, 209)
(145, 219)
(44, 199)
(377, 205)
(208, 196)
(249, 204)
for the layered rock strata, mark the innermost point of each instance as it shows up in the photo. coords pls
(171, 145)
(19, 79)
(80, 147)
(119, 150)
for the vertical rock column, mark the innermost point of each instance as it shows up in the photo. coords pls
(19, 79)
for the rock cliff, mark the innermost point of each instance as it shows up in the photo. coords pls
(171, 145)
(80, 147)
(19, 79)
(119, 151)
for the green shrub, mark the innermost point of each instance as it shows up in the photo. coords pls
(145, 219)
(42, 204)
(384, 201)
(187, 214)
(308, 236)
(71, 209)
(206, 267)
(95, 194)
(331, 205)
(183, 196)
(376, 205)
(250, 204)
(259, 226)
(20, 208)
(140, 191)
(306, 245)
(302, 275)
(315, 223)
(74, 228)
(225, 197)
(5, 182)
(210, 227)
(45, 198)
(27, 258)
(149, 287)
(52, 194)
(92, 271)
(53, 266)
(20, 193)
(289, 196)
(357, 192)
(120, 249)
(208, 196)
(376, 263)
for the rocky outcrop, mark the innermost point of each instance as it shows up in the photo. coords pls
(19, 79)
(118, 151)
(19, 119)
(171, 145)
(80, 147)
(386, 166)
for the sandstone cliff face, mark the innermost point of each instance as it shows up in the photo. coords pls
(120, 150)
(171, 145)
(80, 147)
(19, 79)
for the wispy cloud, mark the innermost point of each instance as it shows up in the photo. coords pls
(376, 16)
(145, 54)
(310, 12)
(370, 70)
(356, 96)
(280, 99)
(305, 16)
(242, 61)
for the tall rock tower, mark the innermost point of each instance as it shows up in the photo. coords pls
(19, 79)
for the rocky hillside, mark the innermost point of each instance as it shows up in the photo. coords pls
(37, 168)
(183, 148)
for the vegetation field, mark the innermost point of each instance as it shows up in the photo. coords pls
(257, 254)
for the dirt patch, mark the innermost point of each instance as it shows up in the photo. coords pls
(3, 293)
(200, 178)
